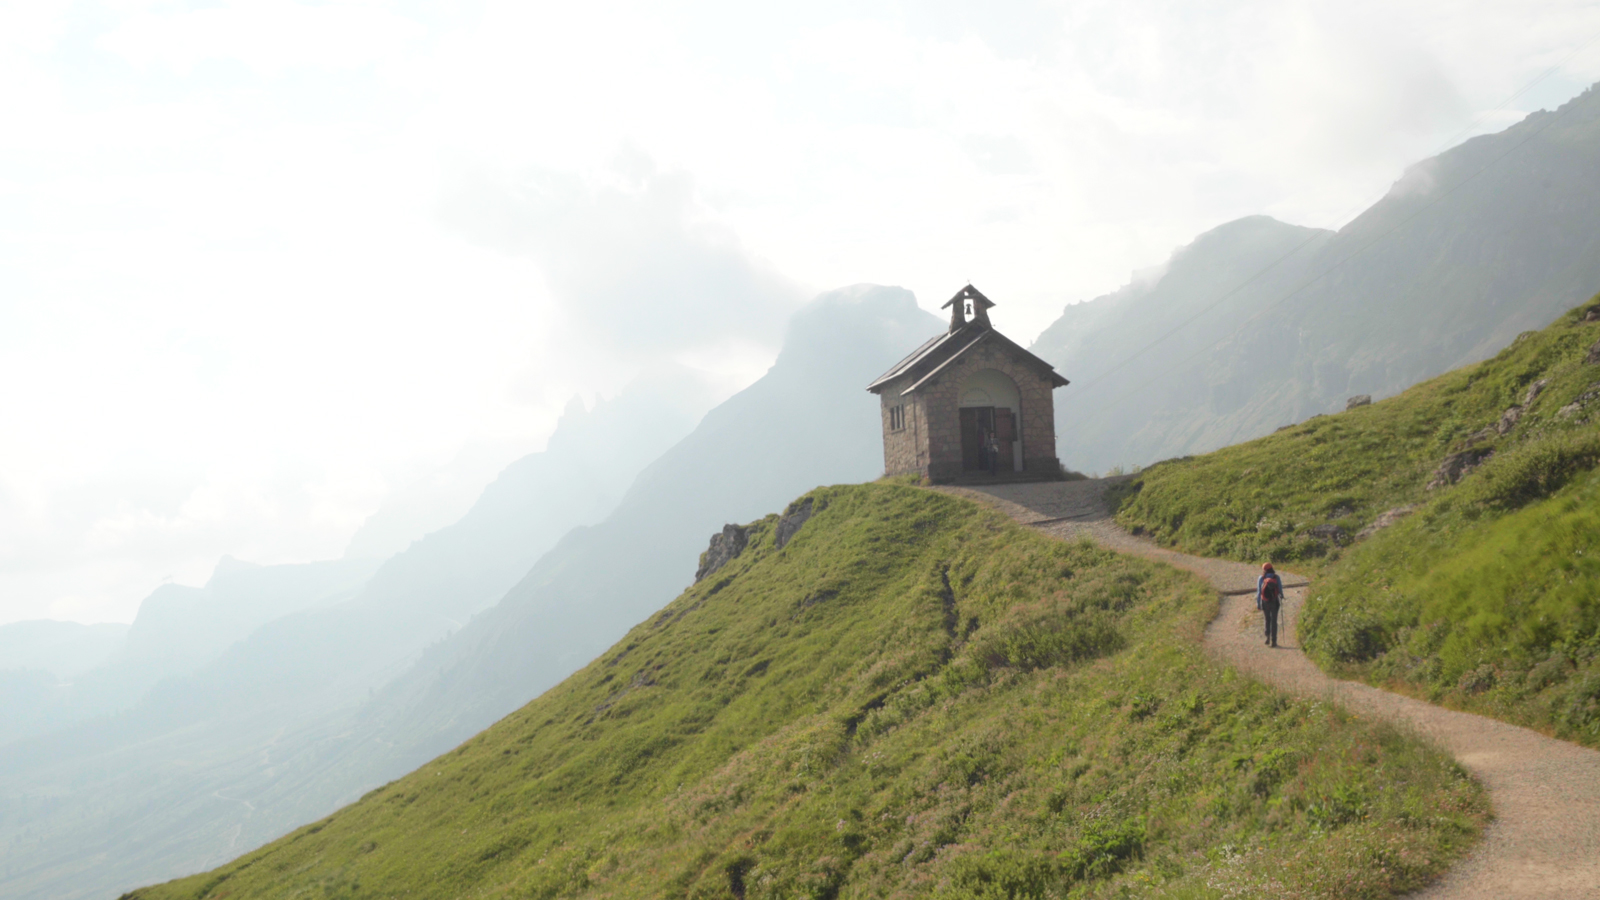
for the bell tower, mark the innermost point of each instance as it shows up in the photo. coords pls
(968, 298)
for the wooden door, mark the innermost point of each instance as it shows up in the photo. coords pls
(976, 421)
(1005, 432)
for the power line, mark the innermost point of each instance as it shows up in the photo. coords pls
(1319, 276)
(1445, 144)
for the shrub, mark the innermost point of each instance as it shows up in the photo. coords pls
(1103, 849)
(1579, 709)
(1535, 471)
(1478, 680)
(1043, 634)
(1002, 875)
(1349, 635)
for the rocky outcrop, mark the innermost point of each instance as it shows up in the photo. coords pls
(1579, 402)
(1457, 465)
(789, 523)
(1358, 400)
(1594, 355)
(1508, 420)
(1534, 390)
(726, 545)
(1512, 415)
(1330, 533)
(1384, 520)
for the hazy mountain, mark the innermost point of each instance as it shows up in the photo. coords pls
(421, 503)
(1497, 236)
(151, 791)
(258, 763)
(808, 421)
(63, 649)
(177, 631)
(39, 660)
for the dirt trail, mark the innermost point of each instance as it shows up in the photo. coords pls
(1545, 840)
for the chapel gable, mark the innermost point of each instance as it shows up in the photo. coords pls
(970, 405)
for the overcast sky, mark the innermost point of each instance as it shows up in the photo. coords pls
(263, 263)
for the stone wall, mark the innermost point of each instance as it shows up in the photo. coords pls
(1037, 421)
(930, 443)
(902, 449)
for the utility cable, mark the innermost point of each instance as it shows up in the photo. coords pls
(1325, 272)
(1444, 145)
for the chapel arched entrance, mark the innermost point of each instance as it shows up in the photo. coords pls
(990, 407)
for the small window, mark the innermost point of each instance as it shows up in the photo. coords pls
(897, 417)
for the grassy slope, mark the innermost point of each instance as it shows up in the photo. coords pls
(913, 697)
(1488, 596)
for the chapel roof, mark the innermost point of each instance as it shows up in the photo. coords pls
(926, 362)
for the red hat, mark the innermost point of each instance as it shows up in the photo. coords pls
(1266, 567)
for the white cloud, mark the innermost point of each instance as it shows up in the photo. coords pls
(636, 264)
(268, 37)
(232, 314)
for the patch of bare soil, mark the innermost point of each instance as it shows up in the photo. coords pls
(1545, 840)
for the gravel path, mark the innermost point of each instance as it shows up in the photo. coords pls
(1545, 840)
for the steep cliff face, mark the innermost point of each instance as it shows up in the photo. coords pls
(1274, 324)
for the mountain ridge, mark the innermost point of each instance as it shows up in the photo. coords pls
(1496, 236)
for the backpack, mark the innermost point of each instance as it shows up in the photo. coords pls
(1271, 589)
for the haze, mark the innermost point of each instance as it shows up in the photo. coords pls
(270, 268)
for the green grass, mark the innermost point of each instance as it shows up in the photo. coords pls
(915, 697)
(1487, 597)
(1495, 614)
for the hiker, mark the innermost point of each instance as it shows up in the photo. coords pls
(1269, 599)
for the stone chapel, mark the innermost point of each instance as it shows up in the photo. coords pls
(970, 405)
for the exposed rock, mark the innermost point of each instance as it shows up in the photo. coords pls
(1358, 400)
(1534, 390)
(1508, 420)
(1457, 465)
(791, 520)
(1340, 511)
(1594, 354)
(1593, 315)
(1384, 520)
(1580, 401)
(1331, 533)
(726, 545)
